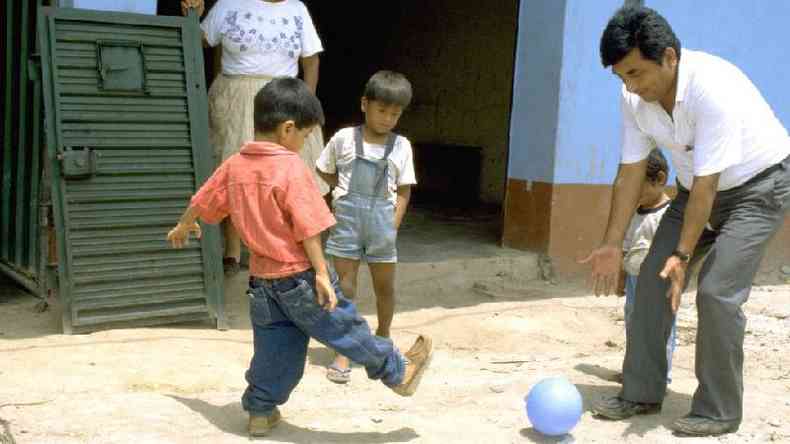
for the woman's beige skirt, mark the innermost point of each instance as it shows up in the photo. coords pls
(231, 101)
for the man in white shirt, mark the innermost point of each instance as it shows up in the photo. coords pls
(731, 157)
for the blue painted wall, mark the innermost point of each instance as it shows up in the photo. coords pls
(536, 90)
(588, 140)
(751, 34)
(566, 118)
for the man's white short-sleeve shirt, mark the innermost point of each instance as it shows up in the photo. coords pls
(261, 38)
(720, 124)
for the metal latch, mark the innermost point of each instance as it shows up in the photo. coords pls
(78, 163)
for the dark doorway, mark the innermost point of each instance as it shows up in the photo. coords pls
(459, 57)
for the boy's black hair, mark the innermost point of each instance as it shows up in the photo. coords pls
(283, 99)
(637, 27)
(656, 162)
(389, 87)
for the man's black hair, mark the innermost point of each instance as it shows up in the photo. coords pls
(283, 99)
(637, 27)
(390, 88)
(656, 162)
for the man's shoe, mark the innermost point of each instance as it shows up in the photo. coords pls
(417, 360)
(701, 426)
(261, 425)
(616, 407)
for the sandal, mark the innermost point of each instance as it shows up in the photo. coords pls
(338, 375)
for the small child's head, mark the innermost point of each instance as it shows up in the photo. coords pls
(655, 179)
(386, 95)
(286, 111)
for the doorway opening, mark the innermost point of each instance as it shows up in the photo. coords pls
(460, 58)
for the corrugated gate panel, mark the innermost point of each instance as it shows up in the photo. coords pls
(150, 155)
(20, 152)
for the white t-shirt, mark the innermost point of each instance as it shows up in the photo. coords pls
(640, 235)
(720, 124)
(261, 38)
(341, 150)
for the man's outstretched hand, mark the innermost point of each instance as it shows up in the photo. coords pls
(606, 262)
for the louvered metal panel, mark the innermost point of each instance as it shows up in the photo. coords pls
(126, 107)
(21, 254)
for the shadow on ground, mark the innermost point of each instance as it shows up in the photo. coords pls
(674, 406)
(21, 314)
(431, 234)
(232, 419)
(535, 436)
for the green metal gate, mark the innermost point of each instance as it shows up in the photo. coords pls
(21, 253)
(127, 144)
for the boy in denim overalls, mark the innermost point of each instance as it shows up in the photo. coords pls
(372, 172)
(273, 202)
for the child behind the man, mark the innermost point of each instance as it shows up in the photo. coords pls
(653, 203)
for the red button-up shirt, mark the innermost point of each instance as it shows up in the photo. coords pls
(273, 202)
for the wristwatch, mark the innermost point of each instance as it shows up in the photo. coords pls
(684, 257)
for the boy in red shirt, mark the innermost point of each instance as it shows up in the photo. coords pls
(274, 203)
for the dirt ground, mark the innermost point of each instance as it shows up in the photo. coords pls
(497, 328)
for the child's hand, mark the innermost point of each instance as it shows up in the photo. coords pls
(179, 236)
(325, 293)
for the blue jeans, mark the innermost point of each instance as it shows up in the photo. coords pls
(285, 315)
(630, 296)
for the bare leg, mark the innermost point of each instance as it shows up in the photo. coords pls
(347, 270)
(383, 275)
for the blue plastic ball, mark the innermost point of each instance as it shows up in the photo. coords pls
(554, 406)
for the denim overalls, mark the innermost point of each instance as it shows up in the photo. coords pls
(365, 228)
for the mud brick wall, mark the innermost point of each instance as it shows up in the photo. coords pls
(459, 54)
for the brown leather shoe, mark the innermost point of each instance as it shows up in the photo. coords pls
(262, 425)
(418, 357)
(701, 426)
